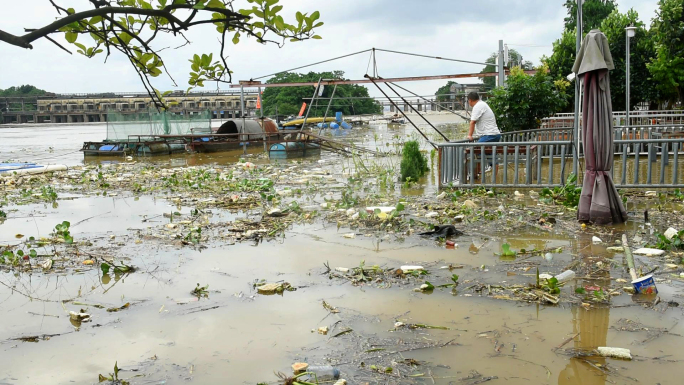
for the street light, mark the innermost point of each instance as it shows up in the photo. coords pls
(630, 32)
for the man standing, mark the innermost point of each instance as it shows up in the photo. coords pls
(482, 120)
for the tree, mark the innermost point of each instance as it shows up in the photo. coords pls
(527, 99)
(25, 90)
(562, 59)
(593, 13)
(667, 65)
(641, 50)
(289, 99)
(516, 59)
(442, 91)
(132, 27)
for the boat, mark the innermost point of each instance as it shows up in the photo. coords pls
(29, 168)
(233, 134)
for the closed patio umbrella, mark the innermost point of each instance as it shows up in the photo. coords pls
(599, 202)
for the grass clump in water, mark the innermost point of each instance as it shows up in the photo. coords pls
(413, 163)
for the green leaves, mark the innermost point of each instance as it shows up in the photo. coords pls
(526, 100)
(203, 69)
(413, 163)
(552, 286)
(61, 231)
(71, 36)
(506, 251)
(666, 67)
(567, 195)
(104, 267)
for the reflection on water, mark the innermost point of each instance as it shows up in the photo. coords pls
(590, 328)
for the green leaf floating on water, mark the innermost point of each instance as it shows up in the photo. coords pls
(506, 251)
(104, 267)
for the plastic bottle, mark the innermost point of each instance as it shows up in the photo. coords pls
(324, 373)
(565, 276)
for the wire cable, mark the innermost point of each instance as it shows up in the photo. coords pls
(433, 57)
(313, 64)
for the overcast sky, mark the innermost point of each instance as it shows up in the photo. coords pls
(459, 29)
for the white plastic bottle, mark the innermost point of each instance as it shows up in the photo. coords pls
(565, 276)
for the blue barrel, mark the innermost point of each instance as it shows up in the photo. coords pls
(345, 125)
(334, 126)
(338, 116)
(322, 125)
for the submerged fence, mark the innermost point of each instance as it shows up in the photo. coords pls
(544, 158)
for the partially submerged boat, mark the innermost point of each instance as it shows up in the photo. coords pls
(234, 134)
(164, 134)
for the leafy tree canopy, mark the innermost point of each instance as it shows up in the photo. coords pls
(289, 99)
(641, 50)
(593, 13)
(667, 65)
(443, 90)
(515, 60)
(527, 99)
(25, 90)
(135, 27)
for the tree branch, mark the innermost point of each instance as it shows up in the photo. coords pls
(26, 40)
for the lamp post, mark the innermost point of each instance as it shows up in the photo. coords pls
(630, 32)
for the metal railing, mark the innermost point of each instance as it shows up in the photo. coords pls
(639, 163)
(648, 117)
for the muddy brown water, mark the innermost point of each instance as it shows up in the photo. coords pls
(237, 336)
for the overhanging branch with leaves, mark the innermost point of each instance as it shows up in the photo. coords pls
(132, 27)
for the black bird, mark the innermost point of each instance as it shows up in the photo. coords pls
(443, 231)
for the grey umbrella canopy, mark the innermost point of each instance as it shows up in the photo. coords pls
(599, 202)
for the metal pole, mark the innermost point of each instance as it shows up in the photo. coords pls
(311, 103)
(627, 96)
(575, 128)
(501, 63)
(261, 111)
(402, 112)
(242, 112)
(327, 109)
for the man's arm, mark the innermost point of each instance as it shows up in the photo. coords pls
(471, 130)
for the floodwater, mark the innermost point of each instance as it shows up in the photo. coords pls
(236, 336)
